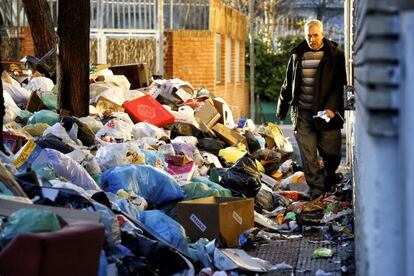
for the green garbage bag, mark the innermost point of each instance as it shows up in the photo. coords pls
(28, 220)
(49, 99)
(44, 116)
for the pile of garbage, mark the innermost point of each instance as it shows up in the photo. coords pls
(138, 157)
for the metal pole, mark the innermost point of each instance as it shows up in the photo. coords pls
(18, 30)
(160, 42)
(406, 132)
(252, 59)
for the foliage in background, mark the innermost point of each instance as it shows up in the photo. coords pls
(270, 66)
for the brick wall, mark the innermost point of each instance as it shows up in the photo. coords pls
(190, 56)
(26, 42)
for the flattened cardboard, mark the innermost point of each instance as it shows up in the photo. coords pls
(137, 74)
(228, 135)
(208, 114)
(222, 218)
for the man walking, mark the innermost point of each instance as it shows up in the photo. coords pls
(313, 86)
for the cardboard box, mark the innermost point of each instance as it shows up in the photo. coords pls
(105, 105)
(137, 74)
(228, 135)
(222, 218)
(35, 103)
(225, 112)
(208, 114)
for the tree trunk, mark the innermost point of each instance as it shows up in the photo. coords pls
(2, 107)
(73, 81)
(41, 25)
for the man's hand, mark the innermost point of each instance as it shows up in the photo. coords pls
(330, 113)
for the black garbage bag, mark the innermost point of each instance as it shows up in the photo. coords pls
(211, 145)
(131, 265)
(264, 200)
(85, 133)
(252, 143)
(51, 141)
(269, 201)
(183, 129)
(270, 159)
(163, 259)
(243, 178)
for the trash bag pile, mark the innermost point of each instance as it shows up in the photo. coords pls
(141, 152)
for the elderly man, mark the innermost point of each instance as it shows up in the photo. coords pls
(313, 86)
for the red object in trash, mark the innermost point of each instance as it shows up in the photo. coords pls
(147, 109)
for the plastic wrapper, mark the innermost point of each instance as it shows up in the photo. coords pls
(44, 116)
(242, 178)
(113, 155)
(322, 252)
(165, 227)
(155, 185)
(66, 167)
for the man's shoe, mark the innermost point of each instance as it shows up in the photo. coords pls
(334, 179)
(315, 193)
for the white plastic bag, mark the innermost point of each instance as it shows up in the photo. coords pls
(11, 109)
(40, 84)
(19, 94)
(113, 155)
(116, 128)
(144, 129)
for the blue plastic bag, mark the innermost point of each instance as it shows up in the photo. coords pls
(155, 185)
(165, 227)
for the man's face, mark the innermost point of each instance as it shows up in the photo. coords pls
(314, 37)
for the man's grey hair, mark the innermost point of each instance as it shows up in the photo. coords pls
(313, 22)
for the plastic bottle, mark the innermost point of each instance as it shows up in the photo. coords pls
(295, 182)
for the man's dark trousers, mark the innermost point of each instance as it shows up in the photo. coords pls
(310, 140)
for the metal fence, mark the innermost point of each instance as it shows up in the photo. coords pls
(131, 19)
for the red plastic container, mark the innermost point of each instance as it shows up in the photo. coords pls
(147, 109)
